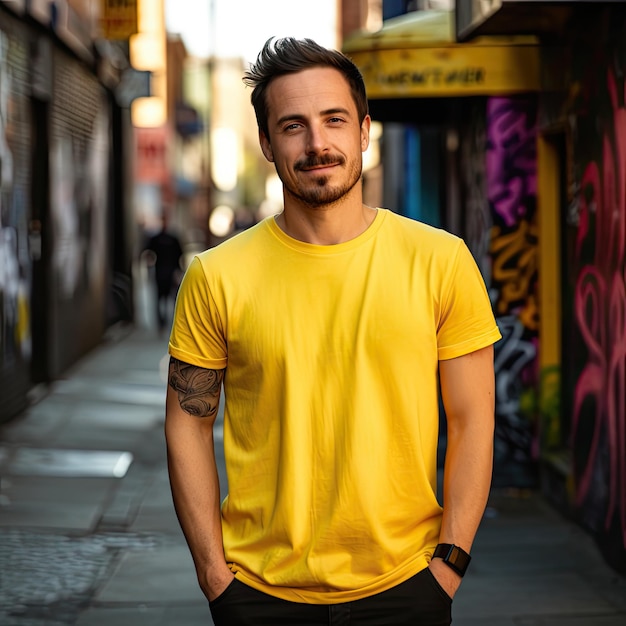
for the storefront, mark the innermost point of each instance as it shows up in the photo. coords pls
(16, 263)
(581, 144)
(416, 56)
(58, 222)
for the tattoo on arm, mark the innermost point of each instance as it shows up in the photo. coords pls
(198, 388)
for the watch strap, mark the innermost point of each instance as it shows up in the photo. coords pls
(453, 556)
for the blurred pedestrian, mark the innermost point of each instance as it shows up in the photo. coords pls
(167, 258)
(330, 326)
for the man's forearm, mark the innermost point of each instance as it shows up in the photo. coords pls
(467, 386)
(195, 491)
(467, 479)
(466, 482)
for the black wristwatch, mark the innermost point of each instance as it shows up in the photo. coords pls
(453, 557)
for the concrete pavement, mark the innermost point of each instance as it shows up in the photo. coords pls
(88, 535)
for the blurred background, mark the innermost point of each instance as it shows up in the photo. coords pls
(503, 121)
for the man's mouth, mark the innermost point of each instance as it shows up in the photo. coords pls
(310, 165)
(318, 167)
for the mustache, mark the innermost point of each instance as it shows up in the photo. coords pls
(317, 161)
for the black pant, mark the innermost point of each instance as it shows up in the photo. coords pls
(165, 293)
(419, 601)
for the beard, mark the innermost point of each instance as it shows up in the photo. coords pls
(320, 192)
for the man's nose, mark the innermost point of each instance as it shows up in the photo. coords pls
(316, 140)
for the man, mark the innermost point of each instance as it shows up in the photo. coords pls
(167, 256)
(328, 326)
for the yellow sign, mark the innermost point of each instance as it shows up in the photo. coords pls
(118, 18)
(449, 71)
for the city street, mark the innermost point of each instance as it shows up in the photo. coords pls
(88, 535)
(441, 163)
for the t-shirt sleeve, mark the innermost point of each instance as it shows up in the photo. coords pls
(466, 320)
(197, 335)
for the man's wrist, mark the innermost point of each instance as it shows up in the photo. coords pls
(453, 556)
(213, 580)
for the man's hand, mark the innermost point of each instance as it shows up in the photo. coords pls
(215, 583)
(449, 580)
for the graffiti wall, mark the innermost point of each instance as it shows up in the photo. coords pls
(15, 262)
(500, 180)
(511, 181)
(597, 373)
(586, 98)
(56, 224)
(79, 202)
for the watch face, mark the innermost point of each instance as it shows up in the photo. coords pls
(459, 558)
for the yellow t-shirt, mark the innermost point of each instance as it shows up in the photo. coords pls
(331, 389)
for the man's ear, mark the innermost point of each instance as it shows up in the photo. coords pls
(365, 133)
(266, 147)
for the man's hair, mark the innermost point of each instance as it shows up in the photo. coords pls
(289, 55)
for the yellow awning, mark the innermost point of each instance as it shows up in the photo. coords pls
(416, 55)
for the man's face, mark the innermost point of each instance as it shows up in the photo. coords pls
(315, 139)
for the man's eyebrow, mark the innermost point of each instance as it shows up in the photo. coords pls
(336, 110)
(288, 118)
(298, 116)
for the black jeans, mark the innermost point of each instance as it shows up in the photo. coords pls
(419, 601)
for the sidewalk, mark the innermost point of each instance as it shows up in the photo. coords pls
(88, 535)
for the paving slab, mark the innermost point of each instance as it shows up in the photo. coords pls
(568, 620)
(583, 620)
(156, 510)
(195, 615)
(123, 506)
(166, 575)
(73, 504)
(533, 566)
(38, 424)
(100, 438)
(113, 391)
(123, 415)
(540, 594)
(59, 462)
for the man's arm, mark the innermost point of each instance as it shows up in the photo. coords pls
(468, 390)
(193, 395)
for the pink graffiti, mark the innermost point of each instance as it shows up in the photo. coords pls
(600, 308)
(511, 157)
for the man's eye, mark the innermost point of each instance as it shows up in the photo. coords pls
(292, 127)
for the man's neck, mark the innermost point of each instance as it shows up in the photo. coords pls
(327, 225)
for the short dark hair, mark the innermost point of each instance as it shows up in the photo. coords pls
(289, 55)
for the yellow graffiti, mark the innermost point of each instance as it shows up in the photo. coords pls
(22, 328)
(529, 314)
(514, 269)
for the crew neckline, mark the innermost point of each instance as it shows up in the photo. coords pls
(326, 249)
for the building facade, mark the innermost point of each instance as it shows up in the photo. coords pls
(581, 183)
(64, 252)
